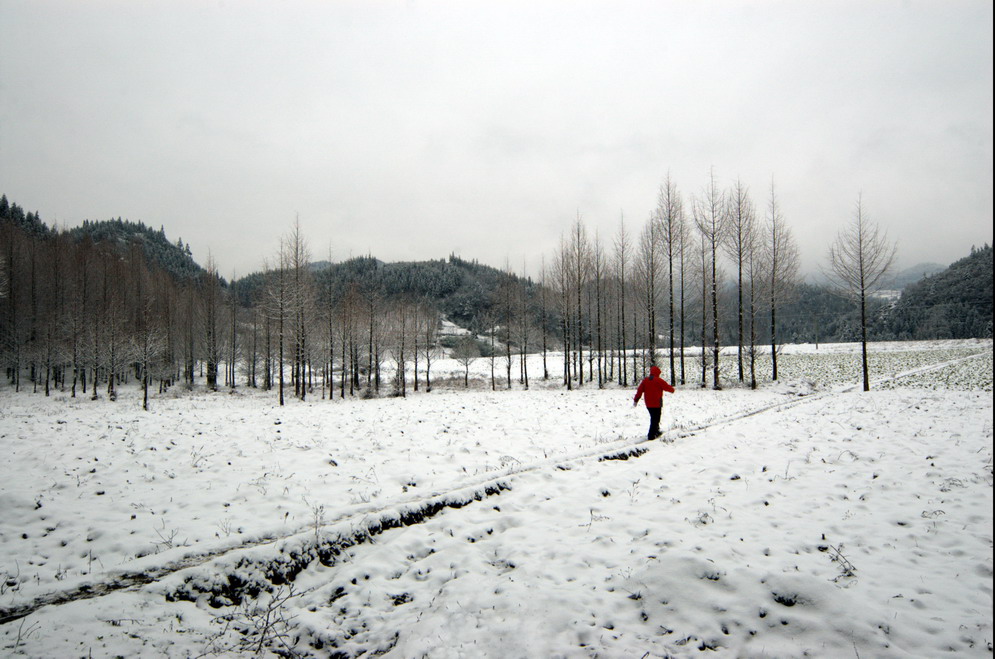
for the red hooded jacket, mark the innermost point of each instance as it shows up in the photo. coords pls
(653, 387)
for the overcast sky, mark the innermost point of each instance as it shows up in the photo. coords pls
(412, 130)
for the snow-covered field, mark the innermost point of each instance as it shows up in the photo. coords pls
(803, 519)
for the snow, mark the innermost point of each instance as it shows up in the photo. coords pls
(449, 328)
(804, 519)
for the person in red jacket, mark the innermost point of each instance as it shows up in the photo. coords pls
(653, 388)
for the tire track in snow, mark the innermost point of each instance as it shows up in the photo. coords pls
(417, 509)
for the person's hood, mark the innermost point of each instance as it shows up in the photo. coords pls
(655, 371)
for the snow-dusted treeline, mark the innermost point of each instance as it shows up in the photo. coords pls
(82, 310)
(668, 287)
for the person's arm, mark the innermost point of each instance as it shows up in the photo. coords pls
(639, 393)
(667, 387)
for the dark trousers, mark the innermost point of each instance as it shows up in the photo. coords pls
(654, 431)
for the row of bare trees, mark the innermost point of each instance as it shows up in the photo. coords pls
(616, 306)
(620, 304)
(81, 316)
(335, 338)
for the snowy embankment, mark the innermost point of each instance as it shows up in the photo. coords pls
(484, 524)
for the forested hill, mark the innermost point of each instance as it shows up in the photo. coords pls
(464, 291)
(953, 304)
(29, 223)
(175, 259)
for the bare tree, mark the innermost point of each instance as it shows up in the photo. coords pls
(190, 302)
(580, 249)
(711, 218)
(301, 299)
(416, 336)
(621, 262)
(329, 357)
(506, 307)
(490, 323)
(429, 329)
(683, 246)
(465, 353)
(648, 276)
(753, 266)
(860, 257)
(702, 273)
(278, 305)
(543, 318)
(10, 322)
(350, 312)
(211, 311)
(268, 305)
(114, 317)
(54, 315)
(80, 306)
(741, 220)
(781, 260)
(670, 210)
(232, 337)
(148, 344)
(524, 327)
(402, 313)
(562, 265)
(600, 263)
(376, 337)
(170, 365)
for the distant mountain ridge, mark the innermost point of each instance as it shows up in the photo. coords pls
(916, 273)
(894, 281)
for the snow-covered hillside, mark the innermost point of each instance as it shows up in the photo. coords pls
(804, 519)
